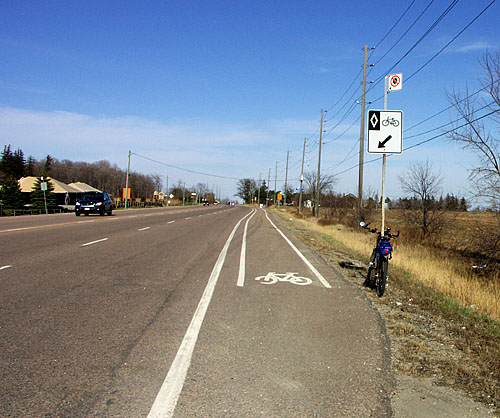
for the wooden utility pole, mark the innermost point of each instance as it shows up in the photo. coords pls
(302, 176)
(126, 180)
(362, 138)
(319, 163)
(258, 191)
(286, 176)
(275, 180)
(268, 183)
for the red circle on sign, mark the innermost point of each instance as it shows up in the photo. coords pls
(395, 80)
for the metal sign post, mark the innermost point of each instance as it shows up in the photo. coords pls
(385, 131)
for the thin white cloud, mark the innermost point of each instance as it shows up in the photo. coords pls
(472, 47)
(207, 146)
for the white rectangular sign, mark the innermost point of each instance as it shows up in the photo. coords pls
(385, 131)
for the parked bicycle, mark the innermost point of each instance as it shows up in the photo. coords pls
(379, 260)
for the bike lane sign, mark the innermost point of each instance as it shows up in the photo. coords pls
(385, 131)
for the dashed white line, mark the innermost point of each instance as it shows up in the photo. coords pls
(94, 242)
(189, 217)
(166, 400)
(171, 222)
(5, 267)
(241, 274)
(144, 229)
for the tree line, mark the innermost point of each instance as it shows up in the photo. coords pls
(101, 174)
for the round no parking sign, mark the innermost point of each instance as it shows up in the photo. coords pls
(395, 82)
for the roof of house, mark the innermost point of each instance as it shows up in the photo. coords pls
(26, 184)
(83, 187)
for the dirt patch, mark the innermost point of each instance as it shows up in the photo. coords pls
(437, 368)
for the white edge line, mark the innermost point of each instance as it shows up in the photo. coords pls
(94, 242)
(5, 267)
(241, 273)
(304, 259)
(166, 400)
(145, 228)
(171, 222)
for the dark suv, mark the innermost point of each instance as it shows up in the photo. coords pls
(94, 202)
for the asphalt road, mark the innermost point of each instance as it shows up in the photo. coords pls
(207, 312)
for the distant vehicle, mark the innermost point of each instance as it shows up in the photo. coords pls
(206, 202)
(94, 202)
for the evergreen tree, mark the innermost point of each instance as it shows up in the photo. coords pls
(30, 166)
(12, 163)
(37, 197)
(10, 193)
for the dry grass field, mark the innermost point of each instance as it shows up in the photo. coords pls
(442, 315)
(445, 262)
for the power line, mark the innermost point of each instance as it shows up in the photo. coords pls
(423, 142)
(185, 169)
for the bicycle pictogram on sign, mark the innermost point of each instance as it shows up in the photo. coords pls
(273, 278)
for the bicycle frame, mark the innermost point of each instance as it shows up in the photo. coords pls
(379, 260)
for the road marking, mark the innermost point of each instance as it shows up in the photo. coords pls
(241, 273)
(166, 400)
(94, 242)
(189, 217)
(144, 229)
(171, 222)
(273, 278)
(149, 214)
(5, 267)
(132, 216)
(304, 259)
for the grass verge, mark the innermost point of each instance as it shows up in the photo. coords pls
(436, 333)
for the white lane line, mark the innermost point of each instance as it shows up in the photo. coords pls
(241, 274)
(144, 229)
(5, 267)
(166, 400)
(149, 214)
(171, 222)
(189, 217)
(94, 242)
(304, 259)
(84, 222)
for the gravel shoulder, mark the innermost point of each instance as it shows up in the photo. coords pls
(423, 348)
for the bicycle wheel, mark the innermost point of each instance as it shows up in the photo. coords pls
(382, 277)
(370, 279)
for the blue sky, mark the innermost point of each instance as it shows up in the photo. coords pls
(228, 87)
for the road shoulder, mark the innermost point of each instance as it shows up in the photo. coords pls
(413, 396)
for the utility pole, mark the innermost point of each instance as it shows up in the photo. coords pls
(275, 180)
(183, 193)
(319, 163)
(286, 176)
(268, 183)
(126, 181)
(302, 176)
(362, 138)
(258, 190)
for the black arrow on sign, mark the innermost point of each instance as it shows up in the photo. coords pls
(382, 144)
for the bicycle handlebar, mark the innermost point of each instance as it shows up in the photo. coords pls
(376, 231)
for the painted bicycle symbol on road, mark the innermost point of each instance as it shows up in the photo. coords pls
(390, 121)
(273, 278)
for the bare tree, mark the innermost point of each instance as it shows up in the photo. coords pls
(326, 182)
(424, 185)
(480, 134)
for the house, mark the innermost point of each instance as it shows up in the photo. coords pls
(66, 194)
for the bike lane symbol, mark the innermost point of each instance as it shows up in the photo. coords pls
(273, 278)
